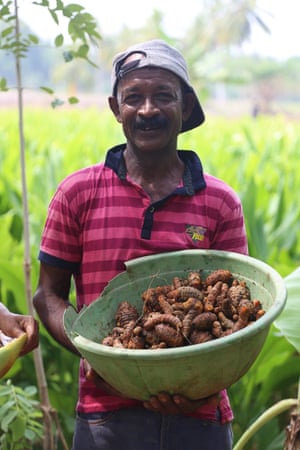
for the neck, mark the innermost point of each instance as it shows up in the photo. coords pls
(157, 174)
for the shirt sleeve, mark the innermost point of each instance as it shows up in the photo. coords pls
(61, 234)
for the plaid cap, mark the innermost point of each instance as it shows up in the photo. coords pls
(157, 53)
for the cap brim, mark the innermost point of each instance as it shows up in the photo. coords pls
(196, 118)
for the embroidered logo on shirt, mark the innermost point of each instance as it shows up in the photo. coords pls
(197, 233)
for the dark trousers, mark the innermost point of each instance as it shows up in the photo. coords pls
(140, 429)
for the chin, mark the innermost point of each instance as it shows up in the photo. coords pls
(151, 147)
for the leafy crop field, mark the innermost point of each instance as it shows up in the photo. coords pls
(257, 157)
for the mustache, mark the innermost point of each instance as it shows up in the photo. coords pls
(142, 123)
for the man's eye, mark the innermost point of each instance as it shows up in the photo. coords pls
(132, 99)
(164, 97)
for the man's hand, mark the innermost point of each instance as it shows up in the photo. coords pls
(177, 404)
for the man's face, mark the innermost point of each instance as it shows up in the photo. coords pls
(150, 105)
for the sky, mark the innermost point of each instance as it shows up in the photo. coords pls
(282, 19)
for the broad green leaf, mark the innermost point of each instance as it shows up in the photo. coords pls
(83, 51)
(73, 100)
(59, 40)
(288, 321)
(12, 278)
(17, 428)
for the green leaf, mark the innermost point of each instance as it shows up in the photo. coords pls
(3, 84)
(57, 102)
(82, 51)
(59, 5)
(24, 402)
(47, 89)
(288, 321)
(17, 428)
(4, 11)
(7, 31)
(30, 391)
(59, 40)
(6, 407)
(4, 390)
(42, 3)
(72, 8)
(54, 16)
(68, 56)
(16, 228)
(73, 100)
(6, 421)
(33, 38)
(29, 434)
(12, 278)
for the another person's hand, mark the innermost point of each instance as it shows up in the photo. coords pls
(13, 325)
(177, 404)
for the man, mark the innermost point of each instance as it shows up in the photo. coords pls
(147, 197)
(13, 325)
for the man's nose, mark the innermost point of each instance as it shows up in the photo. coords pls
(148, 107)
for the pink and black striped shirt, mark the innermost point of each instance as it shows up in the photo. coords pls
(99, 218)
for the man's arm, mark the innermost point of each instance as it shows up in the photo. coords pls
(51, 300)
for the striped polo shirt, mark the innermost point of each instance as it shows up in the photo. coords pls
(99, 218)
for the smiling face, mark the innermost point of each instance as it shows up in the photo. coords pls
(150, 105)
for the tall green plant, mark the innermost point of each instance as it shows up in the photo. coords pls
(19, 417)
(82, 27)
(288, 325)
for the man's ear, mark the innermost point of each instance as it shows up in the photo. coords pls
(114, 106)
(187, 105)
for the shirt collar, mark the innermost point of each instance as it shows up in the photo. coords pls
(193, 178)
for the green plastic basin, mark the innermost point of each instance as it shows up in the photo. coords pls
(195, 371)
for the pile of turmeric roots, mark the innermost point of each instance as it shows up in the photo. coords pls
(188, 311)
